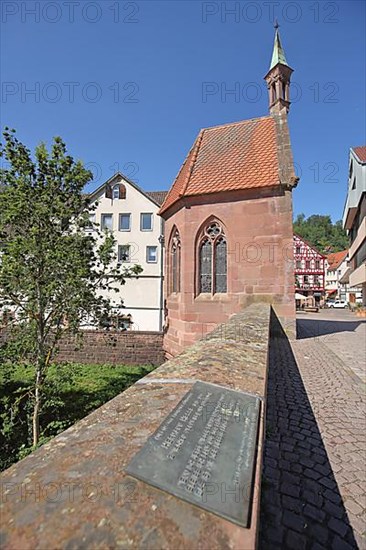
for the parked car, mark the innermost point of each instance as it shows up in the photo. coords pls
(339, 304)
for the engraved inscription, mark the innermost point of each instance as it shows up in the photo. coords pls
(208, 439)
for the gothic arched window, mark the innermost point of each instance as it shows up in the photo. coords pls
(175, 250)
(212, 260)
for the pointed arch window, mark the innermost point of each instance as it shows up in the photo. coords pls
(175, 261)
(212, 260)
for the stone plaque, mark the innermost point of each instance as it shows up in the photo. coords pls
(204, 451)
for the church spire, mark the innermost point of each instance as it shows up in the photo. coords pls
(278, 55)
(278, 78)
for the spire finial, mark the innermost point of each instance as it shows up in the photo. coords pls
(276, 25)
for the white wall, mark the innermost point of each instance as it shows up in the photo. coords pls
(141, 296)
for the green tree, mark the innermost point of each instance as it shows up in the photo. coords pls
(320, 232)
(51, 268)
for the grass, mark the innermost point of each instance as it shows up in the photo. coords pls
(71, 392)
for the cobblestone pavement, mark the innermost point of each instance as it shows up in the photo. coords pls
(314, 482)
(342, 332)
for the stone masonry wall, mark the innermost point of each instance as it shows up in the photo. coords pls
(116, 348)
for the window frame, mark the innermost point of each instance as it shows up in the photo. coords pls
(120, 246)
(129, 222)
(102, 218)
(152, 221)
(148, 247)
(114, 189)
(215, 239)
(174, 262)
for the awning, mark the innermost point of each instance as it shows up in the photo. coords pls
(300, 296)
(330, 291)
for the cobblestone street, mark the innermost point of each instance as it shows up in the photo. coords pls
(314, 465)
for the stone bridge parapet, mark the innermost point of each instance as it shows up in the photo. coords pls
(73, 492)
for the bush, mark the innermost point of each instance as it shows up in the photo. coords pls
(71, 392)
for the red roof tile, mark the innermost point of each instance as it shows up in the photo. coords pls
(335, 259)
(360, 152)
(241, 155)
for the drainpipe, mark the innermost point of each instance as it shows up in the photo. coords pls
(161, 241)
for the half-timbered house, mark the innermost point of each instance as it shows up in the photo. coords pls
(309, 270)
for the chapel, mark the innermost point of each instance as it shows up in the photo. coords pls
(228, 221)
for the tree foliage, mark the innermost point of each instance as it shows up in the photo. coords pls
(319, 231)
(51, 268)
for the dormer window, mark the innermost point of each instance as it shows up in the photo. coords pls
(116, 192)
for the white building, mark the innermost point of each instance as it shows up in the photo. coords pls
(132, 215)
(354, 219)
(337, 278)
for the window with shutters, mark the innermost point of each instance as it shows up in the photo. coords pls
(212, 260)
(175, 261)
(115, 192)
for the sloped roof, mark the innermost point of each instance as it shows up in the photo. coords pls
(334, 260)
(240, 155)
(157, 196)
(120, 175)
(360, 152)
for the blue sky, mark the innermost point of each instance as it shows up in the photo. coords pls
(128, 84)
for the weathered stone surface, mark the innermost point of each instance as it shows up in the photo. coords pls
(73, 492)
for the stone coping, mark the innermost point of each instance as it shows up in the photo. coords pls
(72, 493)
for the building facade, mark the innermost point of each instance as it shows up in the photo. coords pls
(354, 219)
(335, 269)
(228, 221)
(309, 270)
(132, 215)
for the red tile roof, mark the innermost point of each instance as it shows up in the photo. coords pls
(360, 152)
(335, 259)
(241, 155)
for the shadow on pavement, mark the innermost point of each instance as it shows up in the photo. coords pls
(311, 328)
(301, 506)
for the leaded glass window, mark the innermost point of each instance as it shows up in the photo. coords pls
(212, 260)
(175, 262)
(206, 266)
(220, 265)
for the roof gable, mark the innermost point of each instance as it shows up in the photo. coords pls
(118, 176)
(335, 259)
(236, 156)
(360, 153)
(297, 238)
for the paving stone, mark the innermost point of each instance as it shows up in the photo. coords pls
(354, 508)
(314, 512)
(295, 541)
(293, 504)
(311, 473)
(294, 521)
(338, 526)
(331, 495)
(292, 479)
(334, 510)
(319, 533)
(291, 490)
(341, 544)
(327, 482)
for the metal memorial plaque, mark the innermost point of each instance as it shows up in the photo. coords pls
(204, 451)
